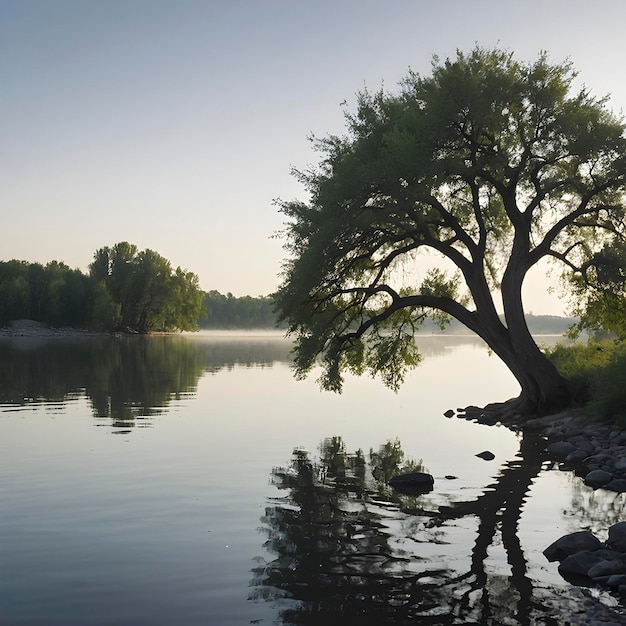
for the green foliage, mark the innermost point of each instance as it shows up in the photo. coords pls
(53, 294)
(125, 290)
(598, 371)
(228, 311)
(144, 293)
(600, 291)
(476, 173)
(14, 290)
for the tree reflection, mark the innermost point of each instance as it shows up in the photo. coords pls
(124, 378)
(334, 557)
(127, 379)
(594, 509)
(350, 551)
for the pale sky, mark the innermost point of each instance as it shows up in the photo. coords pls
(174, 124)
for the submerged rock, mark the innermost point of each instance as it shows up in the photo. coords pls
(413, 483)
(486, 455)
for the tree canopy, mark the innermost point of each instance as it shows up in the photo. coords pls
(599, 291)
(126, 290)
(51, 293)
(436, 202)
(139, 291)
(228, 311)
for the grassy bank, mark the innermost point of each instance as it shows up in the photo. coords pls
(598, 371)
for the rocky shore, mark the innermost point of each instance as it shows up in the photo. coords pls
(596, 452)
(30, 328)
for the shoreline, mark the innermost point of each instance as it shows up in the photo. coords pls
(573, 441)
(31, 328)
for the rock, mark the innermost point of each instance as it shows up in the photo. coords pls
(560, 449)
(608, 568)
(618, 485)
(575, 567)
(598, 460)
(571, 544)
(598, 478)
(413, 483)
(616, 581)
(582, 443)
(449, 413)
(620, 465)
(617, 537)
(576, 456)
(486, 455)
(450, 477)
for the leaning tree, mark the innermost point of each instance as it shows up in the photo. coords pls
(436, 203)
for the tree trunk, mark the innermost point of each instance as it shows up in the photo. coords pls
(543, 388)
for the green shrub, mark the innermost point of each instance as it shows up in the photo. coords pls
(608, 390)
(597, 370)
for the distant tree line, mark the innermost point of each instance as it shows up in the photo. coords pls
(228, 311)
(125, 290)
(52, 293)
(129, 290)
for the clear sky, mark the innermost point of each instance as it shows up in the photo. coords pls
(174, 124)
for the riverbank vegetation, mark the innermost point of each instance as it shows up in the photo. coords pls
(597, 371)
(126, 290)
(231, 312)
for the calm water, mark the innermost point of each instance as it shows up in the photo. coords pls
(191, 480)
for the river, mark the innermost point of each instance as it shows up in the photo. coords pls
(191, 480)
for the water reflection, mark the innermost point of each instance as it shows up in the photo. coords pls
(348, 550)
(127, 379)
(595, 509)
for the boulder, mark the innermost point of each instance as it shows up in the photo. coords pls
(560, 449)
(571, 544)
(449, 413)
(616, 581)
(575, 568)
(413, 483)
(617, 537)
(598, 460)
(486, 455)
(620, 464)
(618, 484)
(582, 443)
(598, 478)
(607, 568)
(576, 456)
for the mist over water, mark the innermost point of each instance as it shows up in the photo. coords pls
(192, 480)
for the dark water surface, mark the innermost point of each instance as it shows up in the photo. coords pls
(190, 480)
